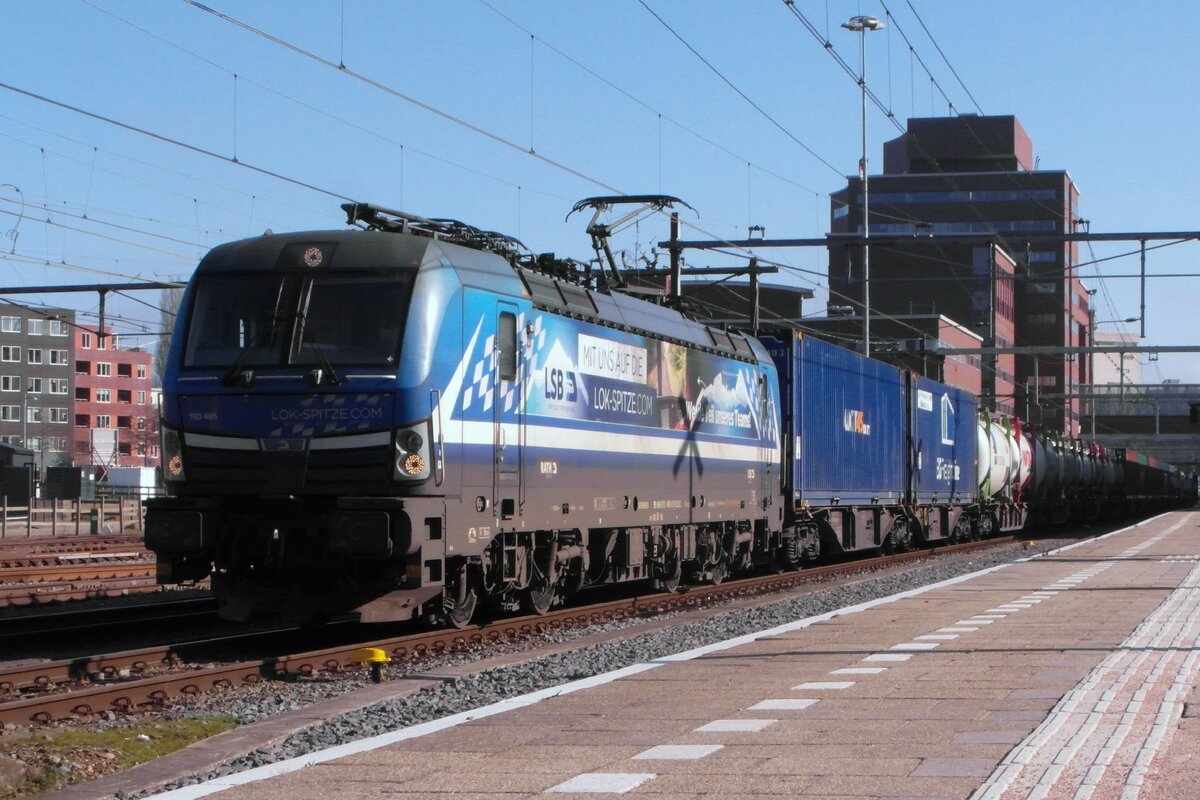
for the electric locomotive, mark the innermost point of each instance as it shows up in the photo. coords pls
(407, 420)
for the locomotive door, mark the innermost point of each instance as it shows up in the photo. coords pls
(767, 435)
(507, 415)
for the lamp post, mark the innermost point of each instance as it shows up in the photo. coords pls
(861, 25)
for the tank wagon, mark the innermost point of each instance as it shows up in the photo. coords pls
(408, 420)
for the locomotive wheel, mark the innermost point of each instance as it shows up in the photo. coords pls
(668, 580)
(538, 599)
(718, 572)
(889, 545)
(458, 615)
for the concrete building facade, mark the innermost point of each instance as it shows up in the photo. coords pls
(37, 382)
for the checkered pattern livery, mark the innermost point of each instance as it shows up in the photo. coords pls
(483, 371)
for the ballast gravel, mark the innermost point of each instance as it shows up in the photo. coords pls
(492, 685)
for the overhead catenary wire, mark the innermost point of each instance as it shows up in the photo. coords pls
(938, 47)
(661, 116)
(383, 87)
(172, 141)
(734, 87)
(322, 111)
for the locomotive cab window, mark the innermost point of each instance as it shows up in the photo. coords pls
(259, 319)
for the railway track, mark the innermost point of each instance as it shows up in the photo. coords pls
(14, 546)
(149, 678)
(36, 571)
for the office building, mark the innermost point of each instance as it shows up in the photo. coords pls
(974, 175)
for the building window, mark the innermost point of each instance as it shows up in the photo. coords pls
(33, 356)
(1042, 318)
(58, 385)
(58, 415)
(10, 353)
(124, 396)
(56, 444)
(10, 383)
(124, 370)
(141, 423)
(103, 368)
(83, 394)
(33, 414)
(58, 328)
(125, 422)
(85, 341)
(35, 327)
(101, 341)
(112, 337)
(10, 324)
(10, 413)
(141, 372)
(58, 357)
(103, 396)
(141, 398)
(81, 421)
(103, 421)
(35, 385)
(83, 368)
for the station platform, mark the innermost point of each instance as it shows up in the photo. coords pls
(1064, 676)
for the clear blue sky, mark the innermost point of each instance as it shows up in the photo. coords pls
(1103, 88)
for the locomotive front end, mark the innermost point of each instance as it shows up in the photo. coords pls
(301, 465)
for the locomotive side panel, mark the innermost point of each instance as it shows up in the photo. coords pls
(600, 427)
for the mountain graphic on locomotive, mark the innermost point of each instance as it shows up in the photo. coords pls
(417, 418)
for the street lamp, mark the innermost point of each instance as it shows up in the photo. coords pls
(861, 25)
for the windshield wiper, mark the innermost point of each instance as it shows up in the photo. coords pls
(318, 375)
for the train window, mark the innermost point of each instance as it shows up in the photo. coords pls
(343, 318)
(741, 345)
(239, 319)
(506, 343)
(353, 318)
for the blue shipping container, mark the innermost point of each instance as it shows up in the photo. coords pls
(944, 442)
(847, 442)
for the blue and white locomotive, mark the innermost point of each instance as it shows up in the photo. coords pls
(413, 419)
(405, 420)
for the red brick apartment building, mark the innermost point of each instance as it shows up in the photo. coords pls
(114, 411)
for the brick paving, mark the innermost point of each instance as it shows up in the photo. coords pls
(1058, 677)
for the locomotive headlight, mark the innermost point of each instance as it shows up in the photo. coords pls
(412, 454)
(172, 454)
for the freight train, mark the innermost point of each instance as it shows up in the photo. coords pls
(414, 418)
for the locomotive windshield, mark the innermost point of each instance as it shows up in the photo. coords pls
(268, 319)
